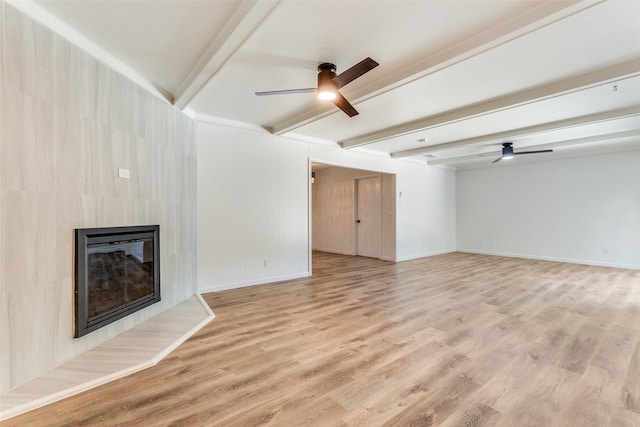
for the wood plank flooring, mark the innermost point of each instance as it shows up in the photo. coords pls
(450, 340)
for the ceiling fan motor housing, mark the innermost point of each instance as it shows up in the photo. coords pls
(507, 149)
(326, 73)
(327, 86)
(327, 66)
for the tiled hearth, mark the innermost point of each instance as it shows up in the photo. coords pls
(136, 349)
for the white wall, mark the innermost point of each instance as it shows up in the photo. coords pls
(252, 211)
(253, 204)
(584, 209)
(426, 213)
(67, 123)
(388, 223)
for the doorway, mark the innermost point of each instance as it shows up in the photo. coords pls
(338, 198)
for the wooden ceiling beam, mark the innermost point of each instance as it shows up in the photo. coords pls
(606, 75)
(612, 136)
(249, 16)
(529, 130)
(538, 17)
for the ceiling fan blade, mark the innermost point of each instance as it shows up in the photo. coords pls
(354, 72)
(489, 154)
(287, 91)
(532, 152)
(497, 160)
(344, 105)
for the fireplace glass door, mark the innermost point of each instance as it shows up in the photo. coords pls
(117, 273)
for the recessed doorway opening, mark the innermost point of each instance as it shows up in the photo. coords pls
(353, 212)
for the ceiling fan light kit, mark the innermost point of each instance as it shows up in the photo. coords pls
(327, 94)
(329, 83)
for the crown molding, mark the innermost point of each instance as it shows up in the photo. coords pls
(204, 118)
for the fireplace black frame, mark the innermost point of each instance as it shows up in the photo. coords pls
(86, 236)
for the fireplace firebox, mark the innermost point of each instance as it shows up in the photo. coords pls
(117, 272)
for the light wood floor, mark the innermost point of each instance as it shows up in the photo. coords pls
(451, 340)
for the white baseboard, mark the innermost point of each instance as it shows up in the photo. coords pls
(335, 251)
(332, 251)
(424, 255)
(245, 283)
(554, 259)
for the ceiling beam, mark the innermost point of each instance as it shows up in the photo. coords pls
(612, 136)
(529, 130)
(606, 75)
(536, 18)
(246, 20)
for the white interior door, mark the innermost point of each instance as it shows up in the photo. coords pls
(368, 217)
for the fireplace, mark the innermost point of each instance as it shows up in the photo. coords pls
(117, 273)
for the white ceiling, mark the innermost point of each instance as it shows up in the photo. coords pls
(465, 75)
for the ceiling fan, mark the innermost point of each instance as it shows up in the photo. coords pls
(329, 83)
(507, 152)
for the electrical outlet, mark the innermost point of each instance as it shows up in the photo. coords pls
(123, 173)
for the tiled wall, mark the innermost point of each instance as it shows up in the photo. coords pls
(67, 123)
